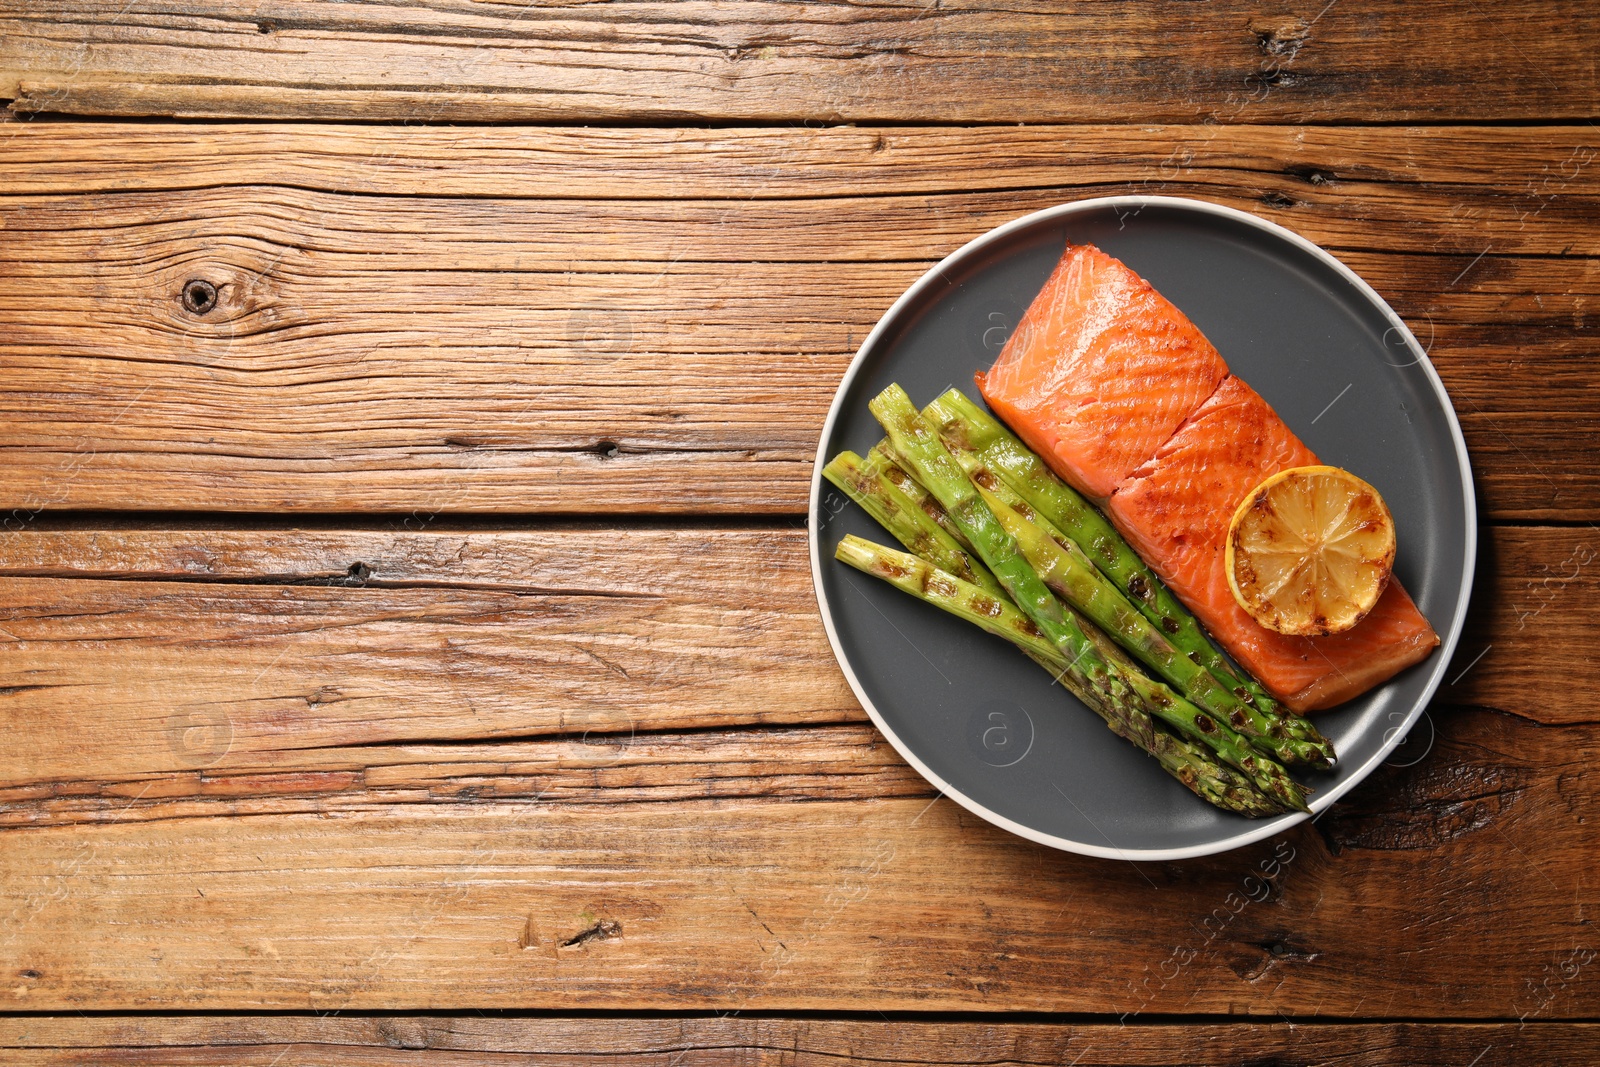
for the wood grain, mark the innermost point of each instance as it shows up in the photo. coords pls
(424, 354)
(457, 1041)
(257, 652)
(773, 903)
(606, 763)
(1535, 590)
(957, 60)
(1536, 169)
(182, 861)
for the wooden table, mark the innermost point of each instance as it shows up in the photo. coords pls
(407, 638)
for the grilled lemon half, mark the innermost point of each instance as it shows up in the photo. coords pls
(1310, 550)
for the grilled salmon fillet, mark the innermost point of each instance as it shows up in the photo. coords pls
(1124, 398)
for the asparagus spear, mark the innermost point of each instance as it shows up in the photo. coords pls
(1069, 572)
(1267, 733)
(959, 418)
(1190, 764)
(915, 442)
(882, 460)
(909, 524)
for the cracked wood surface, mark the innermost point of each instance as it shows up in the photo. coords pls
(464, 636)
(941, 61)
(1551, 163)
(670, 340)
(357, 1041)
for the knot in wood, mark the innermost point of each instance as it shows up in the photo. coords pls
(1280, 37)
(199, 296)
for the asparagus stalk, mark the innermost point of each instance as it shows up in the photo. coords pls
(1190, 764)
(1074, 578)
(919, 449)
(914, 441)
(1266, 733)
(960, 419)
(1217, 783)
(901, 516)
(882, 460)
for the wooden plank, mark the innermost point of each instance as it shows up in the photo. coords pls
(573, 234)
(555, 631)
(1552, 165)
(416, 353)
(1422, 189)
(959, 60)
(459, 1041)
(255, 652)
(1535, 590)
(773, 904)
(603, 762)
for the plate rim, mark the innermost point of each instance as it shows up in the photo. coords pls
(1251, 832)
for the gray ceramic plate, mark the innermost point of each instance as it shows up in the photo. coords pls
(985, 725)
